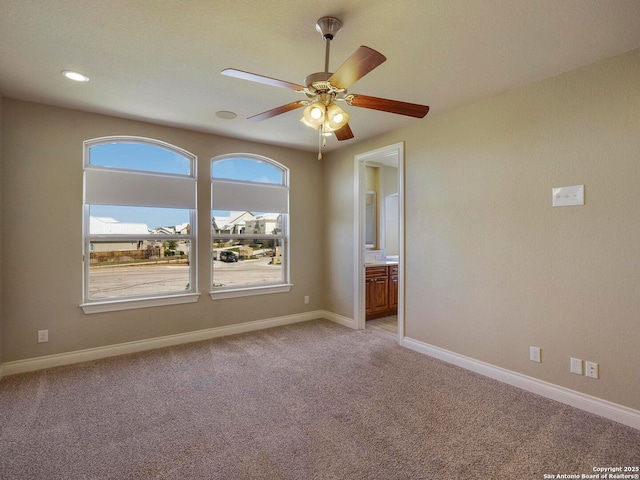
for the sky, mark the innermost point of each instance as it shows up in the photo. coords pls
(153, 158)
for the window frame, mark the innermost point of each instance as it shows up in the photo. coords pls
(262, 288)
(145, 300)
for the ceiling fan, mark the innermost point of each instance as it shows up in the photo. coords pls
(324, 89)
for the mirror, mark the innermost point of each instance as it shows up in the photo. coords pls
(370, 227)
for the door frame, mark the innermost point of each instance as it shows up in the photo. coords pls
(360, 160)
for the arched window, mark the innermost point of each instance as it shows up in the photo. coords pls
(139, 224)
(249, 226)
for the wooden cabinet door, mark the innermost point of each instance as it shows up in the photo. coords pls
(376, 289)
(369, 295)
(393, 292)
(380, 294)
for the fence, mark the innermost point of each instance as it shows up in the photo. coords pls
(116, 256)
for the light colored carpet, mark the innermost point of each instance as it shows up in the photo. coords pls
(307, 401)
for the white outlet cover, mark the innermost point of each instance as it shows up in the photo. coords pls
(591, 369)
(568, 196)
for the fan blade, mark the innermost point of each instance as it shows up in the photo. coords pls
(253, 77)
(386, 105)
(361, 62)
(344, 133)
(277, 111)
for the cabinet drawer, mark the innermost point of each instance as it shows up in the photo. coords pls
(376, 272)
(393, 269)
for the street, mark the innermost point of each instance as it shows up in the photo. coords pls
(145, 279)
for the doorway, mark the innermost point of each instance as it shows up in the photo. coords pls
(389, 208)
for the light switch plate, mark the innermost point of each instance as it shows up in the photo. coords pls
(534, 354)
(568, 196)
(576, 366)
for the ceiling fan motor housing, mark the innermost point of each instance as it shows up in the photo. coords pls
(318, 81)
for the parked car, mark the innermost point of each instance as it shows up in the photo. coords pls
(228, 256)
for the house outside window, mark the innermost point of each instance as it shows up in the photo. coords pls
(249, 226)
(139, 224)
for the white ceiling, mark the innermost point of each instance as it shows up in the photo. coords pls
(160, 60)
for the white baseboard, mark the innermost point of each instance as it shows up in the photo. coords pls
(603, 408)
(344, 321)
(49, 361)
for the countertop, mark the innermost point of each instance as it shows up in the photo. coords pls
(381, 263)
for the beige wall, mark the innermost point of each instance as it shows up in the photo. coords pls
(42, 271)
(1, 230)
(491, 267)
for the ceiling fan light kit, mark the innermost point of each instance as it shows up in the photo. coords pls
(329, 115)
(314, 114)
(324, 89)
(337, 116)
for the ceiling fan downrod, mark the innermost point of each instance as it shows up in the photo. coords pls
(328, 27)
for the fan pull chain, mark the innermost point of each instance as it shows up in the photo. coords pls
(320, 142)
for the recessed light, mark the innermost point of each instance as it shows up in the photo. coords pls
(226, 115)
(75, 76)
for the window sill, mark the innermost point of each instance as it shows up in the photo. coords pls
(249, 291)
(130, 304)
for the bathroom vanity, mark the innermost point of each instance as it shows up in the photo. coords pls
(381, 287)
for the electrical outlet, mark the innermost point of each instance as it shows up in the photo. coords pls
(576, 366)
(43, 336)
(306, 299)
(534, 354)
(591, 369)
